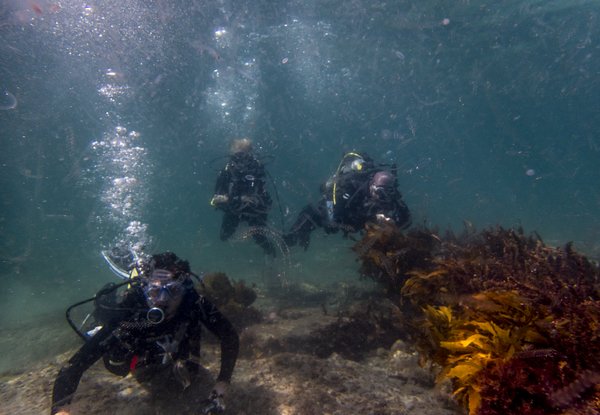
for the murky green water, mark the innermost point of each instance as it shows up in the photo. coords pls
(114, 116)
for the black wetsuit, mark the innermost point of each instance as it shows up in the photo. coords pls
(243, 181)
(353, 208)
(133, 344)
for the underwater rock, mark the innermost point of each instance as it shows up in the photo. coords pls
(352, 334)
(384, 383)
(295, 294)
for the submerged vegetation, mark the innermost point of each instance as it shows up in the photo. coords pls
(514, 324)
(235, 298)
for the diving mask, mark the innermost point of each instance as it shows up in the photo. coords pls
(163, 291)
(382, 185)
(382, 192)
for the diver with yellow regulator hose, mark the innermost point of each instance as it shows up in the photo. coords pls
(358, 192)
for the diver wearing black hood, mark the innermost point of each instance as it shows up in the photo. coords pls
(155, 330)
(357, 193)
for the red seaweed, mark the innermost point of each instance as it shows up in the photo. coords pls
(512, 322)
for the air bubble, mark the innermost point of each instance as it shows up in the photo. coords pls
(7, 101)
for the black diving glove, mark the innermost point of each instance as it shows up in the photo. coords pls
(215, 404)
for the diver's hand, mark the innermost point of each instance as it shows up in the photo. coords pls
(220, 389)
(216, 399)
(251, 200)
(219, 199)
(63, 412)
(381, 218)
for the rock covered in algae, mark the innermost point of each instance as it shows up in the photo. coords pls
(234, 299)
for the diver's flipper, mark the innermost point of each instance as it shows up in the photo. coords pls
(120, 262)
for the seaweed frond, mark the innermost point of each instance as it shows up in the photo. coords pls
(512, 323)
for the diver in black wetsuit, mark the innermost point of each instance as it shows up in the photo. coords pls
(357, 193)
(240, 192)
(154, 332)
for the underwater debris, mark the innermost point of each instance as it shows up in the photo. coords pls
(512, 323)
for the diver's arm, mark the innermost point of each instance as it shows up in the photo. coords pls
(221, 196)
(263, 194)
(261, 171)
(69, 376)
(401, 214)
(222, 183)
(222, 328)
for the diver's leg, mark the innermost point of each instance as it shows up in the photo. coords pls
(308, 220)
(229, 225)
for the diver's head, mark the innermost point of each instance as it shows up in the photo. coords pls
(383, 185)
(163, 292)
(164, 279)
(241, 145)
(353, 163)
(357, 163)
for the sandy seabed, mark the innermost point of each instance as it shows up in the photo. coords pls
(274, 374)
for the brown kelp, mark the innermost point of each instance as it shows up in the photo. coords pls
(388, 255)
(234, 299)
(514, 324)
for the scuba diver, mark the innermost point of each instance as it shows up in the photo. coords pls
(357, 193)
(240, 192)
(151, 329)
